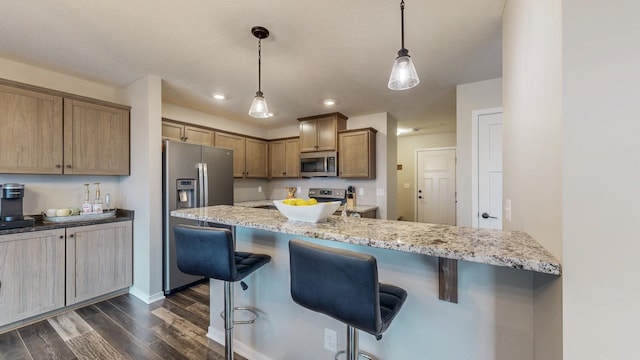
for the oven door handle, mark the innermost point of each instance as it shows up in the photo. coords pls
(326, 164)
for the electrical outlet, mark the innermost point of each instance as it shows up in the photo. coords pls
(507, 209)
(360, 191)
(330, 340)
(259, 188)
(299, 190)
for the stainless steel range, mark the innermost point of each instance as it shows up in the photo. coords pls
(326, 195)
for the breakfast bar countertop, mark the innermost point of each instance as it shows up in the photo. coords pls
(264, 203)
(513, 249)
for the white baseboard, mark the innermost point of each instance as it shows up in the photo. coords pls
(238, 347)
(146, 297)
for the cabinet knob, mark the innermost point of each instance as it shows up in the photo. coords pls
(68, 166)
(71, 235)
(61, 237)
(58, 166)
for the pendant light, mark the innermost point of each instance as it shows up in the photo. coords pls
(403, 74)
(259, 108)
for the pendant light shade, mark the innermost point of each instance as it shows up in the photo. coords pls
(403, 74)
(259, 108)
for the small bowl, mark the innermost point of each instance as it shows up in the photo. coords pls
(309, 213)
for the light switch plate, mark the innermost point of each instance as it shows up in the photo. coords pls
(380, 191)
(407, 185)
(507, 209)
(361, 191)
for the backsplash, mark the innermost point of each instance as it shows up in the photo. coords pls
(54, 191)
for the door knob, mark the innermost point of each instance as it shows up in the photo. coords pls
(487, 216)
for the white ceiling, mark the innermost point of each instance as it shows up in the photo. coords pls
(322, 49)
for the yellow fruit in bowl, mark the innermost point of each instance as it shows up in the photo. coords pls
(301, 202)
(312, 201)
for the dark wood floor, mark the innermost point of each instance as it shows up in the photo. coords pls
(121, 328)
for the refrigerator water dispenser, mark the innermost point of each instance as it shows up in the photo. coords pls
(186, 189)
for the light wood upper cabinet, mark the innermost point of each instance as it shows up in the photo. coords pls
(319, 133)
(48, 132)
(96, 139)
(285, 158)
(32, 275)
(187, 133)
(249, 155)
(235, 143)
(357, 156)
(99, 260)
(30, 131)
(256, 164)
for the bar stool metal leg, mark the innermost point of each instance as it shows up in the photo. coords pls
(352, 343)
(228, 320)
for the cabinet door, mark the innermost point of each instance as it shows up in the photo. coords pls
(172, 131)
(99, 260)
(196, 135)
(357, 154)
(256, 165)
(277, 154)
(292, 158)
(31, 274)
(327, 130)
(30, 132)
(235, 143)
(96, 139)
(308, 136)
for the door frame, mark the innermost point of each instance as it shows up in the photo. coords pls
(475, 153)
(415, 178)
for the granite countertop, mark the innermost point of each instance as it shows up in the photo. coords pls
(494, 247)
(263, 203)
(40, 225)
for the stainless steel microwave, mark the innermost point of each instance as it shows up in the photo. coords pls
(324, 163)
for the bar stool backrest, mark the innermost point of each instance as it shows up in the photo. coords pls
(339, 283)
(205, 251)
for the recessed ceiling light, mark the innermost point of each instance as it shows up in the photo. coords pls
(400, 131)
(329, 102)
(219, 96)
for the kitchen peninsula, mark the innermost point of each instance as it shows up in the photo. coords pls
(495, 294)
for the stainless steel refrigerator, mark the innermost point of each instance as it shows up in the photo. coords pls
(192, 176)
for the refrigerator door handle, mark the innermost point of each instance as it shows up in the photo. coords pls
(200, 185)
(205, 185)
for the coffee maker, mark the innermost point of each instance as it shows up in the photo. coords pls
(11, 215)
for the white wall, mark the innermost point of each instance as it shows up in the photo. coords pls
(469, 97)
(54, 191)
(601, 53)
(142, 190)
(532, 150)
(407, 146)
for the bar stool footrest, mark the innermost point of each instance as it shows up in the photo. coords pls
(361, 355)
(243, 322)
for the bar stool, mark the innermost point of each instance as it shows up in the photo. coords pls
(343, 285)
(210, 252)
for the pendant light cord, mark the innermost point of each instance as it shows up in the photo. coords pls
(259, 66)
(402, 21)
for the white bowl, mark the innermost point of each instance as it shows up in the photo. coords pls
(309, 213)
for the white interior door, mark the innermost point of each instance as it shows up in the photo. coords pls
(490, 171)
(436, 190)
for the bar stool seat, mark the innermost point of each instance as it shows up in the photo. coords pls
(343, 285)
(209, 252)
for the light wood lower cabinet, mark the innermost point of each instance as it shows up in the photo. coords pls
(32, 274)
(99, 260)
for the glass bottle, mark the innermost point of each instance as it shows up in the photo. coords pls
(86, 205)
(97, 203)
